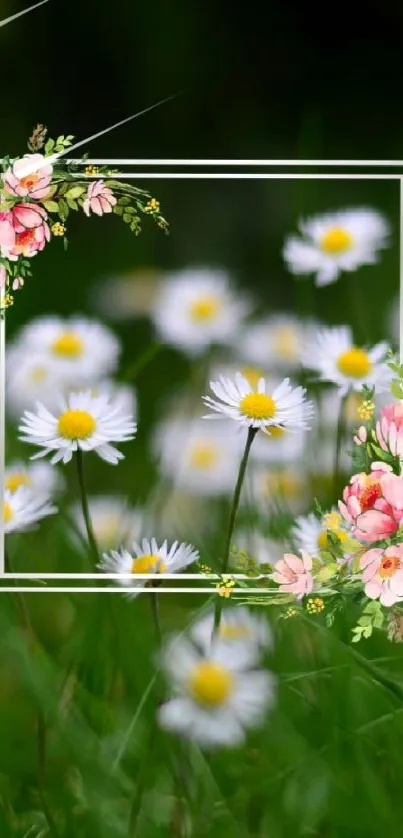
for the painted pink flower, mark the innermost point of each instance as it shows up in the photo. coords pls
(389, 429)
(100, 199)
(373, 503)
(383, 574)
(361, 436)
(7, 232)
(293, 574)
(31, 231)
(28, 177)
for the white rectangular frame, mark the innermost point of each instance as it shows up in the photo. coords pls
(191, 175)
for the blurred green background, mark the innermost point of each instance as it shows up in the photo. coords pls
(278, 81)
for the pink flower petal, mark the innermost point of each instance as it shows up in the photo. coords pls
(392, 490)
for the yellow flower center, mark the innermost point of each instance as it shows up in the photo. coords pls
(258, 406)
(275, 433)
(285, 342)
(332, 520)
(354, 362)
(8, 512)
(68, 345)
(37, 375)
(352, 404)
(284, 483)
(389, 566)
(252, 376)
(205, 308)
(233, 632)
(203, 456)
(14, 481)
(76, 424)
(106, 529)
(148, 564)
(336, 241)
(210, 683)
(323, 537)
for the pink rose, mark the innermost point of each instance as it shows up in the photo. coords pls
(31, 231)
(293, 574)
(389, 429)
(383, 574)
(7, 233)
(99, 199)
(373, 503)
(29, 176)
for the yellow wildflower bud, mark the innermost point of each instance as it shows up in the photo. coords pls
(58, 229)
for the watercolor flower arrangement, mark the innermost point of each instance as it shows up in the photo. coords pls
(39, 190)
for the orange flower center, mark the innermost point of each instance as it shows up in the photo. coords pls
(389, 566)
(29, 181)
(371, 493)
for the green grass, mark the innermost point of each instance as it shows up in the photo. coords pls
(80, 749)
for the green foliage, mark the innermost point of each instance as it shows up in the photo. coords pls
(372, 617)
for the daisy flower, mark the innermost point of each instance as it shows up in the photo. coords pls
(336, 242)
(199, 457)
(82, 350)
(29, 378)
(310, 533)
(23, 510)
(245, 634)
(113, 521)
(148, 557)
(263, 550)
(383, 574)
(40, 478)
(83, 422)
(276, 342)
(293, 574)
(335, 357)
(215, 698)
(279, 486)
(127, 296)
(197, 308)
(256, 408)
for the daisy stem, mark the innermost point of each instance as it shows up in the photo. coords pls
(41, 740)
(232, 517)
(85, 507)
(155, 611)
(340, 434)
(143, 361)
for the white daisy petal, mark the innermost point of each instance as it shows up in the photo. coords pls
(88, 423)
(336, 242)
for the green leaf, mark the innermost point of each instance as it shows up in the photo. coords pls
(49, 147)
(75, 192)
(118, 210)
(51, 206)
(396, 388)
(63, 209)
(327, 572)
(127, 218)
(124, 201)
(72, 204)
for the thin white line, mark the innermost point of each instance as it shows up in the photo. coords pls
(117, 576)
(233, 162)
(2, 425)
(401, 275)
(241, 176)
(133, 589)
(20, 14)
